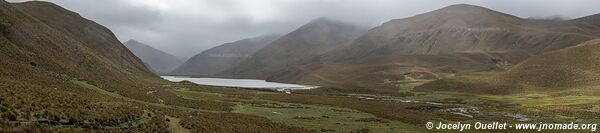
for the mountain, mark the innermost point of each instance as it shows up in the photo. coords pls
(309, 41)
(159, 61)
(463, 29)
(91, 34)
(67, 43)
(455, 39)
(60, 72)
(223, 57)
(568, 70)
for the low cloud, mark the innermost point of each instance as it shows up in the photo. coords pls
(187, 27)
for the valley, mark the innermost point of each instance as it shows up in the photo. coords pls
(61, 72)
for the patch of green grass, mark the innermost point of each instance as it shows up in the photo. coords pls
(405, 85)
(85, 84)
(201, 95)
(322, 118)
(596, 108)
(437, 96)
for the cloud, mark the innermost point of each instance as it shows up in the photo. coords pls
(187, 27)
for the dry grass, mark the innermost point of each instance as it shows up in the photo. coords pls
(567, 69)
(232, 122)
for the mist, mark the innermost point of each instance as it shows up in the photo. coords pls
(185, 28)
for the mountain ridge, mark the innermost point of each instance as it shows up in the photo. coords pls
(455, 39)
(159, 61)
(223, 57)
(303, 44)
(91, 33)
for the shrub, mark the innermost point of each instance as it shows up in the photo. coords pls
(4, 25)
(7, 114)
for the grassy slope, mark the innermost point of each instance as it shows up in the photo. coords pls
(557, 86)
(90, 33)
(568, 70)
(573, 67)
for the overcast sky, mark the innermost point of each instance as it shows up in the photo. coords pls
(187, 27)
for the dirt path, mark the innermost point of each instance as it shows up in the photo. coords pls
(102, 91)
(174, 125)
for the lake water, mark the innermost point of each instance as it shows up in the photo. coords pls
(242, 83)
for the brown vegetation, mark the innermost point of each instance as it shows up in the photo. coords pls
(567, 69)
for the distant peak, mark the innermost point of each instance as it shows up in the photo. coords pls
(468, 12)
(464, 7)
(132, 41)
(322, 21)
(40, 3)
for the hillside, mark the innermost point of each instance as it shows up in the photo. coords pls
(592, 19)
(222, 57)
(455, 39)
(305, 43)
(567, 70)
(91, 34)
(159, 61)
(42, 66)
(73, 46)
(572, 67)
(463, 29)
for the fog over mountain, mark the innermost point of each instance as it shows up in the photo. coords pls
(186, 28)
(223, 57)
(158, 61)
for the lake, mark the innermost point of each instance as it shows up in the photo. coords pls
(242, 83)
